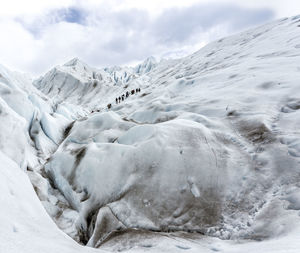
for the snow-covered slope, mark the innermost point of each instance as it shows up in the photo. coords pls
(76, 83)
(211, 145)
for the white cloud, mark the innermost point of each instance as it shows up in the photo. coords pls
(36, 35)
(14, 8)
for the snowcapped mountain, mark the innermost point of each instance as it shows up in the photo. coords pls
(79, 84)
(204, 157)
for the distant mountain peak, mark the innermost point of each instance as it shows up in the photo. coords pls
(146, 66)
(75, 61)
(151, 59)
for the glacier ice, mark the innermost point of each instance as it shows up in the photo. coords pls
(210, 145)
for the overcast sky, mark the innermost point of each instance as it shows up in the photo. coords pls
(38, 34)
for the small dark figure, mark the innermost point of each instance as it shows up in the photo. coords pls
(116, 100)
(98, 110)
(92, 111)
(122, 97)
(127, 94)
(108, 106)
(119, 99)
(139, 89)
(136, 90)
(132, 92)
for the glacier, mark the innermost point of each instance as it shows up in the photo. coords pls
(205, 158)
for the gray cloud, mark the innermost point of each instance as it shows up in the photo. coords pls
(104, 37)
(68, 15)
(136, 36)
(178, 25)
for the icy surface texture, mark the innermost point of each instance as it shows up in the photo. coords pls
(211, 144)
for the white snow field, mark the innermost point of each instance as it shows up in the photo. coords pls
(205, 158)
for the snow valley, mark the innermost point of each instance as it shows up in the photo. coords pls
(198, 154)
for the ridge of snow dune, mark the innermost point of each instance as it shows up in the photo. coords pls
(210, 144)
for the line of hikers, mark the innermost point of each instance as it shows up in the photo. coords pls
(126, 95)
